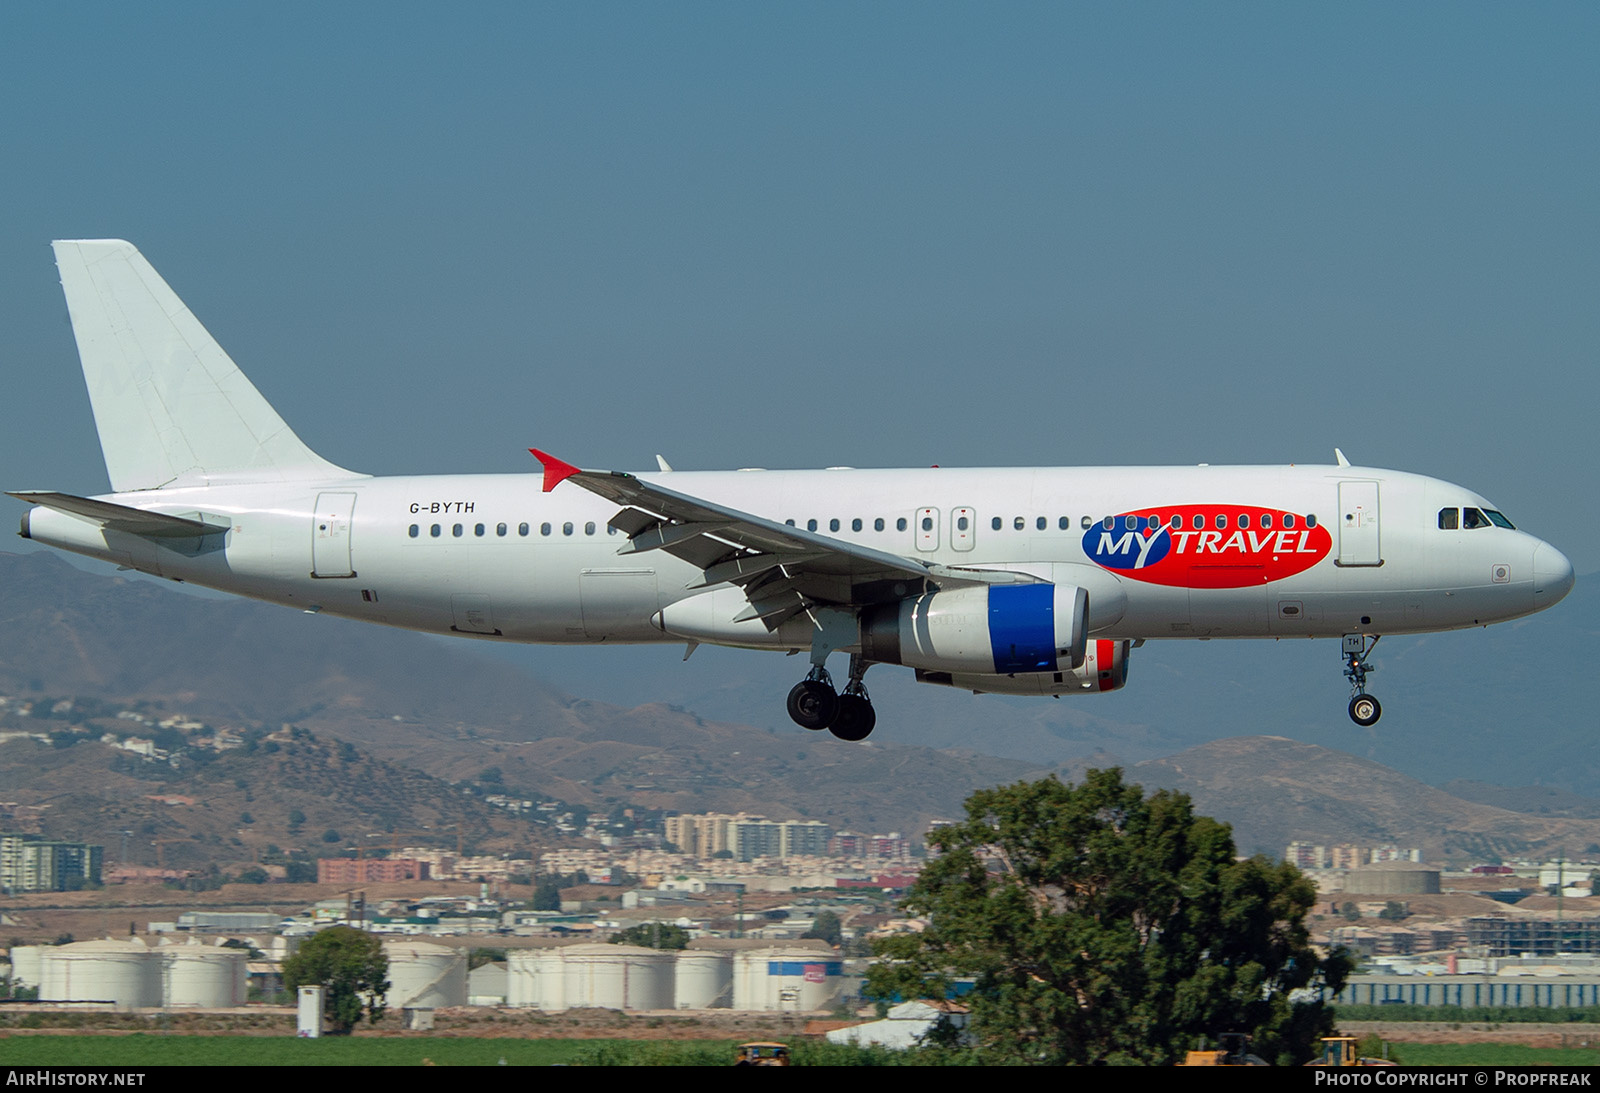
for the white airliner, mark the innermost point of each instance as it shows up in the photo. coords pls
(1021, 581)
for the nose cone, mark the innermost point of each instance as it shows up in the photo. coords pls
(1552, 576)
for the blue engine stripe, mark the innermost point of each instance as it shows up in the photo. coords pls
(1022, 627)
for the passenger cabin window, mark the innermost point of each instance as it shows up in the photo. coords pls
(877, 525)
(962, 523)
(833, 525)
(1449, 519)
(1198, 521)
(1088, 522)
(500, 530)
(1019, 523)
(927, 523)
(900, 524)
(1041, 523)
(1288, 519)
(522, 529)
(588, 529)
(1266, 519)
(1222, 522)
(415, 531)
(566, 529)
(855, 525)
(1311, 519)
(456, 531)
(544, 529)
(1065, 524)
(997, 523)
(478, 529)
(434, 531)
(1175, 523)
(811, 525)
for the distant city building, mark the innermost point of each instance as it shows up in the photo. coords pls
(746, 837)
(31, 864)
(369, 870)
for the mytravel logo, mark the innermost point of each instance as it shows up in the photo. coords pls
(1207, 546)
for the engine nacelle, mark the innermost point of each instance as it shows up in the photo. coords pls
(987, 630)
(1105, 668)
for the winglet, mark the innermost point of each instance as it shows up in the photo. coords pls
(555, 471)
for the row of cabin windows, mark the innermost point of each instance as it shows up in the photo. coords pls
(502, 530)
(1018, 523)
(1064, 523)
(1468, 519)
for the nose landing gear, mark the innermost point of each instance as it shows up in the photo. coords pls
(1364, 709)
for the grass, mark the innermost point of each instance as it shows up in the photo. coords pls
(145, 1049)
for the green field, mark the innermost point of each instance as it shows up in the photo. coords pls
(1493, 1055)
(141, 1049)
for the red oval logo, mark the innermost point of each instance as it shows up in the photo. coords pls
(1207, 546)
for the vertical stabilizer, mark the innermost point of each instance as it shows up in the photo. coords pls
(172, 409)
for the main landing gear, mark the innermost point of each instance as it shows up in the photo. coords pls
(814, 704)
(1364, 709)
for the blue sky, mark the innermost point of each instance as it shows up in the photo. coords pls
(878, 235)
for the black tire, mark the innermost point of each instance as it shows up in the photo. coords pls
(1365, 710)
(856, 718)
(813, 704)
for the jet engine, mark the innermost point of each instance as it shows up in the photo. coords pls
(1105, 668)
(984, 630)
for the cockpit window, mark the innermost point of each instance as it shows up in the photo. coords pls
(1449, 519)
(1472, 518)
(1499, 520)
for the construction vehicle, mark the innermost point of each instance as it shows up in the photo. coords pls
(762, 1054)
(1233, 1049)
(1341, 1051)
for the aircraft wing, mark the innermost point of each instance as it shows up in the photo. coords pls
(782, 569)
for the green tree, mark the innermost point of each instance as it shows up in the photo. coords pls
(826, 927)
(653, 935)
(1104, 926)
(350, 967)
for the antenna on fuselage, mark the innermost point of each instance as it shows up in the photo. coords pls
(1339, 457)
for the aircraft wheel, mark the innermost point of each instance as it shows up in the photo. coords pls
(813, 704)
(856, 718)
(1365, 710)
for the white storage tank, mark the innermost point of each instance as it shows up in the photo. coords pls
(789, 980)
(123, 972)
(704, 980)
(424, 974)
(207, 976)
(27, 965)
(620, 977)
(535, 978)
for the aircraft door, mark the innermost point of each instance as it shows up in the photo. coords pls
(963, 526)
(330, 535)
(927, 529)
(1358, 524)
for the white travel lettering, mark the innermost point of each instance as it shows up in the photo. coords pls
(1302, 548)
(1283, 544)
(1235, 542)
(1144, 547)
(1257, 544)
(1120, 546)
(1209, 541)
(1183, 538)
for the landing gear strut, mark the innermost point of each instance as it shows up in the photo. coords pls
(814, 704)
(856, 715)
(1364, 709)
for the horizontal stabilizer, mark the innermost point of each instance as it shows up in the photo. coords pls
(150, 525)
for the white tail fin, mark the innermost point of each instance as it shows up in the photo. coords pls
(171, 407)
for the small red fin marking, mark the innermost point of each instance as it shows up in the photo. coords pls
(555, 471)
